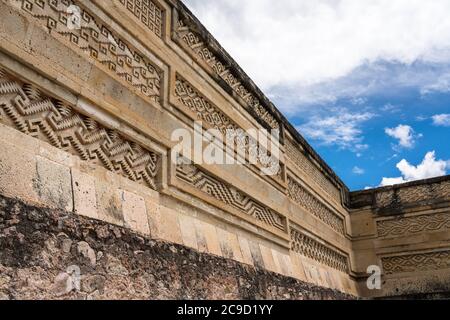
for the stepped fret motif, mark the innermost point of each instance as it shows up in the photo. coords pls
(208, 113)
(311, 204)
(417, 262)
(310, 170)
(201, 50)
(101, 44)
(25, 108)
(147, 12)
(413, 194)
(229, 195)
(413, 225)
(313, 249)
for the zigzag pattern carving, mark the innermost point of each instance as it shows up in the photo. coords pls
(228, 195)
(310, 170)
(201, 50)
(417, 262)
(147, 12)
(25, 108)
(313, 249)
(311, 204)
(413, 194)
(101, 44)
(212, 115)
(412, 225)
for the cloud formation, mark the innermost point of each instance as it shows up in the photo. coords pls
(294, 46)
(358, 171)
(342, 129)
(429, 168)
(404, 134)
(442, 120)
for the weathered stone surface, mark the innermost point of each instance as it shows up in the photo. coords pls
(131, 267)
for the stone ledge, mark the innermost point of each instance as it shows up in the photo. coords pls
(38, 246)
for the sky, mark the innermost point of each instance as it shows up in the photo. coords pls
(367, 83)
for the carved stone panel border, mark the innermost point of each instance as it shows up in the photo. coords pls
(310, 170)
(313, 249)
(193, 42)
(148, 13)
(229, 195)
(310, 203)
(417, 262)
(403, 226)
(101, 44)
(207, 112)
(412, 195)
(27, 109)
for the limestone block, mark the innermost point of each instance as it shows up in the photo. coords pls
(297, 267)
(212, 240)
(109, 204)
(54, 154)
(84, 195)
(201, 239)
(267, 256)
(18, 172)
(135, 212)
(276, 260)
(245, 249)
(154, 216)
(225, 246)
(169, 227)
(187, 225)
(235, 247)
(285, 264)
(54, 184)
(256, 254)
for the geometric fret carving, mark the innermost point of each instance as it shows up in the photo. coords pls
(25, 108)
(412, 195)
(413, 225)
(104, 46)
(200, 49)
(147, 12)
(417, 262)
(202, 108)
(311, 204)
(228, 195)
(313, 249)
(207, 112)
(310, 170)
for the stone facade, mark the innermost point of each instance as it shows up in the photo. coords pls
(88, 104)
(405, 230)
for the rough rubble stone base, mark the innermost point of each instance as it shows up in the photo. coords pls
(42, 251)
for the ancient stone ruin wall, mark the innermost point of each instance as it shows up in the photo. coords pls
(87, 111)
(86, 118)
(405, 229)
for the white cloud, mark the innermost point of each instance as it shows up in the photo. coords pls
(297, 44)
(358, 171)
(442, 84)
(342, 129)
(404, 134)
(429, 168)
(441, 120)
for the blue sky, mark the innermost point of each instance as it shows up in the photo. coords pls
(366, 82)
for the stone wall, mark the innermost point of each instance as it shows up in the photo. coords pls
(41, 249)
(90, 95)
(87, 110)
(405, 230)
